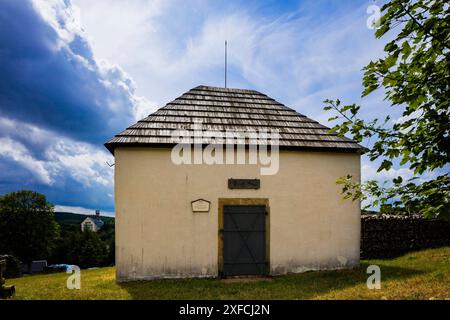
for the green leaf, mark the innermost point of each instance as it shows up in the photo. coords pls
(385, 165)
(406, 50)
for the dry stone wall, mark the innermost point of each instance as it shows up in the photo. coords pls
(388, 236)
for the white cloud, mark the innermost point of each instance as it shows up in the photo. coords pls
(64, 19)
(299, 57)
(143, 108)
(84, 163)
(19, 153)
(121, 99)
(61, 156)
(369, 172)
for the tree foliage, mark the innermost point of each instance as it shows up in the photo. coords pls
(86, 249)
(414, 75)
(27, 226)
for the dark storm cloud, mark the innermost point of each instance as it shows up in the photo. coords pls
(58, 105)
(55, 83)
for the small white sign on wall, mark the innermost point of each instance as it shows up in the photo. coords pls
(200, 205)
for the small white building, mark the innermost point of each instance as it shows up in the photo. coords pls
(93, 224)
(177, 219)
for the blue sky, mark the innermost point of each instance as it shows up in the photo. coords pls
(74, 73)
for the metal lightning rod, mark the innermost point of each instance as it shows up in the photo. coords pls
(225, 63)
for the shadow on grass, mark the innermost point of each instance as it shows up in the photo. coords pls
(296, 286)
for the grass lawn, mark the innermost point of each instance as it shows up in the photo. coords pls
(419, 275)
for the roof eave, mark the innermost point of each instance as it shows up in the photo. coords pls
(111, 146)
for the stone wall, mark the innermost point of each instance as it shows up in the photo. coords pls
(388, 236)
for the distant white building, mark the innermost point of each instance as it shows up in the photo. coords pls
(93, 223)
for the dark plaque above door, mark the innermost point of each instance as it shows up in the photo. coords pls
(244, 183)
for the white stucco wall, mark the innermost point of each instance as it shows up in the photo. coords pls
(158, 236)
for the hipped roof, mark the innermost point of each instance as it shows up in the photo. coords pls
(237, 110)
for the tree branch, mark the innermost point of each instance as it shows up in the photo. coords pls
(422, 27)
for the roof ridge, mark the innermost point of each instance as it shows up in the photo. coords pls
(223, 89)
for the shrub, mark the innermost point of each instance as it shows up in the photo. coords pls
(13, 269)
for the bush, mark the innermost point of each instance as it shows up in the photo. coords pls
(13, 269)
(86, 249)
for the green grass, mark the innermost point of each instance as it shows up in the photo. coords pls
(419, 275)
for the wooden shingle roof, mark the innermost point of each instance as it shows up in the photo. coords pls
(237, 110)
